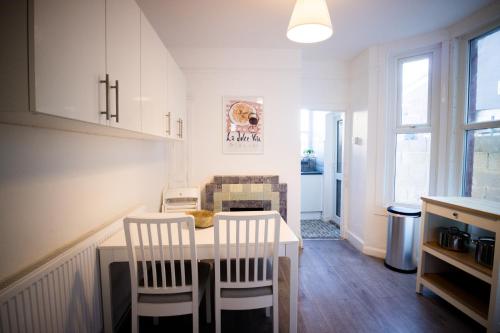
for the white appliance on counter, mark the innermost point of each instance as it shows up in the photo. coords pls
(180, 199)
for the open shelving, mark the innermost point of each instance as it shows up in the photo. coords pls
(456, 276)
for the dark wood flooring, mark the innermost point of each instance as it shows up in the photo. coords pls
(341, 290)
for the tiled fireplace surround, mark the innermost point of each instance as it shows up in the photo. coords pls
(245, 192)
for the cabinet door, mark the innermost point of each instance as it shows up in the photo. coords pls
(153, 80)
(69, 52)
(176, 98)
(123, 42)
(14, 88)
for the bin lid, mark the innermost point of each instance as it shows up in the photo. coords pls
(406, 211)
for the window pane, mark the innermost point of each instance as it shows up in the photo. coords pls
(484, 78)
(482, 164)
(413, 153)
(304, 142)
(414, 91)
(338, 197)
(304, 120)
(340, 144)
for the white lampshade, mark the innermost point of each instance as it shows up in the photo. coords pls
(310, 22)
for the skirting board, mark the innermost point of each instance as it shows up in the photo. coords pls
(359, 244)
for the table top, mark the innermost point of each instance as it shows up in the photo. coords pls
(487, 208)
(203, 237)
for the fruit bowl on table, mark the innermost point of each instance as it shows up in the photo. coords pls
(202, 218)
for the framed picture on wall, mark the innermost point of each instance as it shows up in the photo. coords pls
(243, 125)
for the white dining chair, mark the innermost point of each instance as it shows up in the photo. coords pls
(166, 278)
(246, 263)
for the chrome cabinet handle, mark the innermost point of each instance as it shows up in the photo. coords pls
(106, 83)
(168, 130)
(117, 114)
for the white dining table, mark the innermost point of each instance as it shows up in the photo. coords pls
(114, 250)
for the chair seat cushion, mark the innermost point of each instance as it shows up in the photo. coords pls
(203, 276)
(246, 292)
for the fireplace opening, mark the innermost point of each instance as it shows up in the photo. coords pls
(243, 209)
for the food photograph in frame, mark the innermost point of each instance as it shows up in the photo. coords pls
(243, 125)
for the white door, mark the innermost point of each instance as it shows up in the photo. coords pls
(123, 53)
(153, 80)
(338, 168)
(69, 52)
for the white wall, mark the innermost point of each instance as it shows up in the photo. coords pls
(272, 74)
(368, 104)
(325, 84)
(358, 96)
(55, 186)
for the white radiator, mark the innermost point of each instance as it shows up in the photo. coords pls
(62, 295)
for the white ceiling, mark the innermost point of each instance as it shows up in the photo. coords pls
(262, 23)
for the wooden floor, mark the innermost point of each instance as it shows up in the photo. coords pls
(341, 290)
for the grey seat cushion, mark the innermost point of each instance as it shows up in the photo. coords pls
(245, 292)
(203, 276)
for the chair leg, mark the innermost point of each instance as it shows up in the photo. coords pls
(135, 319)
(217, 314)
(195, 321)
(268, 312)
(208, 302)
(276, 314)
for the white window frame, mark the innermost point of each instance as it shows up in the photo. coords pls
(462, 103)
(394, 122)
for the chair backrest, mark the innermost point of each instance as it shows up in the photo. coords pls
(249, 239)
(160, 248)
(180, 199)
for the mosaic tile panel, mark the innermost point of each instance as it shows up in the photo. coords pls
(246, 192)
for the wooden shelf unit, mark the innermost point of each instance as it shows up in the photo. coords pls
(462, 260)
(455, 276)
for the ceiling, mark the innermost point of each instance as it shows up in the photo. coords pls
(262, 23)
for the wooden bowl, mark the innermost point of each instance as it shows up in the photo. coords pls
(202, 218)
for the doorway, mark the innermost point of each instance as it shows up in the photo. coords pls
(322, 146)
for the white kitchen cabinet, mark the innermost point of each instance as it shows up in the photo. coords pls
(176, 100)
(123, 54)
(153, 81)
(69, 58)
(311, 193)
(94, 64)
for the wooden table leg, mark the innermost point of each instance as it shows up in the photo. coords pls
(292, 252)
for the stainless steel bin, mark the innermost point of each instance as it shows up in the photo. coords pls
(402, 239)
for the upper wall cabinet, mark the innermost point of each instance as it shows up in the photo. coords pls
(69, 58)
(153, 80)
(98, 61)
(176, 99)
(14, 85)
(123, 53)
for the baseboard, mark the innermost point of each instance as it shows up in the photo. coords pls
(359, 244)
(310, 215)
(355, 240)
(374, 252)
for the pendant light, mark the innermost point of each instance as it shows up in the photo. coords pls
(310, 22)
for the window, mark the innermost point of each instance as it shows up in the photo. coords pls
(312, 131)
(413, 130)
(481, 178)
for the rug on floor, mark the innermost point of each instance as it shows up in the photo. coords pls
(318, 229)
